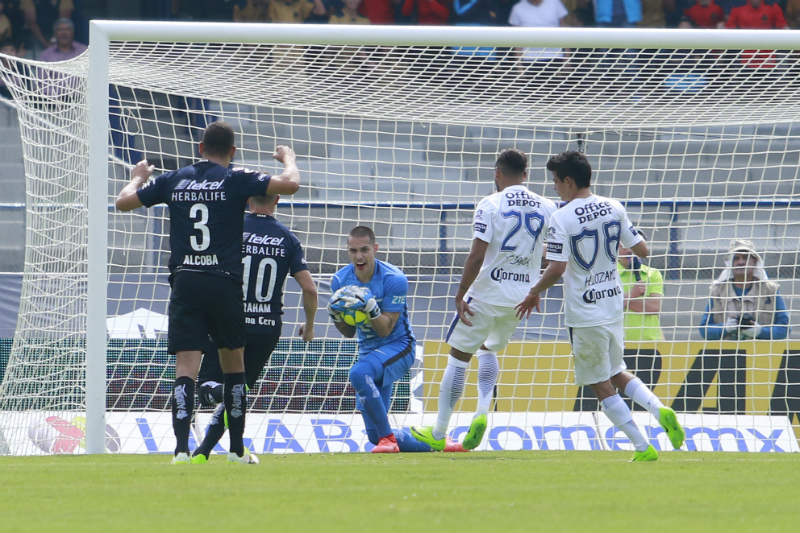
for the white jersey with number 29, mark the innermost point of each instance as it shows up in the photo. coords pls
(585, 233)
(514, 222)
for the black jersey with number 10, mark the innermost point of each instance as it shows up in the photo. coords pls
(206, 202)
(270, 252)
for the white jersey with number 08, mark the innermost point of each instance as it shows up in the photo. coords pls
(585, 233)
(514, 222)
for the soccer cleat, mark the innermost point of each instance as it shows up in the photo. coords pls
(453, 446)
(387, 444)
(425, 434)
(475, 434)
(199, 459)
(650, 454)
(181, 458)
(246, 459)
(668, 421)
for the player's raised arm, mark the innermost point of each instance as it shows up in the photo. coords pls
(306, 283)
(128, 199)
(288, 181)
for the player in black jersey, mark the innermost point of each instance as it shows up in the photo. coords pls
(270, 252)
(206, 201)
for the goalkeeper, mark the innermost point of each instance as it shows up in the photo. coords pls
(744, 303)
(373, 293)
(270, 252)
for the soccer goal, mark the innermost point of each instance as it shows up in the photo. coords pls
(398, 128)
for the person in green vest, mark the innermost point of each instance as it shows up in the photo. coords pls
(643, 287)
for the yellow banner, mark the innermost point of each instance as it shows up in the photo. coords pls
(751, 377)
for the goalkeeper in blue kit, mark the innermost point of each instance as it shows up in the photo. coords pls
(386, 344)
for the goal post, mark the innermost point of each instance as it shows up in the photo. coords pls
(398, 127)
(97, 246)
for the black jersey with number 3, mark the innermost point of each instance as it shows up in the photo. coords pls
(270, 252)
(206, 202)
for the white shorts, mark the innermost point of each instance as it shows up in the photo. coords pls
(492, 325)
(598, 352)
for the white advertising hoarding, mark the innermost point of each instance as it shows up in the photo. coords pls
(151, 432)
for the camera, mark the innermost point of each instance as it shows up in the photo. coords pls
(747, 320)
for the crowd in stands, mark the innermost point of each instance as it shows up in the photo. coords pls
(28, 27)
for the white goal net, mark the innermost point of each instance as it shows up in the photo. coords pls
(702, 145)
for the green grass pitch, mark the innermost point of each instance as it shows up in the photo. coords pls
(487, 491)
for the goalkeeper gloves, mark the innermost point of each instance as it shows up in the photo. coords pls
(372, 308)
(370, 304)
(353, 298)
(335, 306)
(345, 299)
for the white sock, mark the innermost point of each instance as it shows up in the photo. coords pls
(617, 411)
(639, 393)
(488, 369)
(450, 390)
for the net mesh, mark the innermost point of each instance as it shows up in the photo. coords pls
(702, 146)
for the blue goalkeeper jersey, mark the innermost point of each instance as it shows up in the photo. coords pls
(390, 287)
(206, 206)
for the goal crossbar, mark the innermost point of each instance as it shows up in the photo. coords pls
(664, 38)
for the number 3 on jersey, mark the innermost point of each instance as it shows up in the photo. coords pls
(199, 212)
(611, 231)
(533, 225)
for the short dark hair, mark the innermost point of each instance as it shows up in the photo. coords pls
(512, 162)
(218, 139)
(363, 231)
(572, 164)
(64, 22)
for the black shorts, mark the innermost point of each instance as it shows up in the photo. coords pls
(257, 350)
(203, 305)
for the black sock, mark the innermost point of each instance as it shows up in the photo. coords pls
(214, 432)
(182, 408)
(235, 395)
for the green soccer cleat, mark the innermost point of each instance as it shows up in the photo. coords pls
(650, 454)
(425, 434)
(181, 458)
(668, 421)
(475, 433)
(199, 459)
(246, 459)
